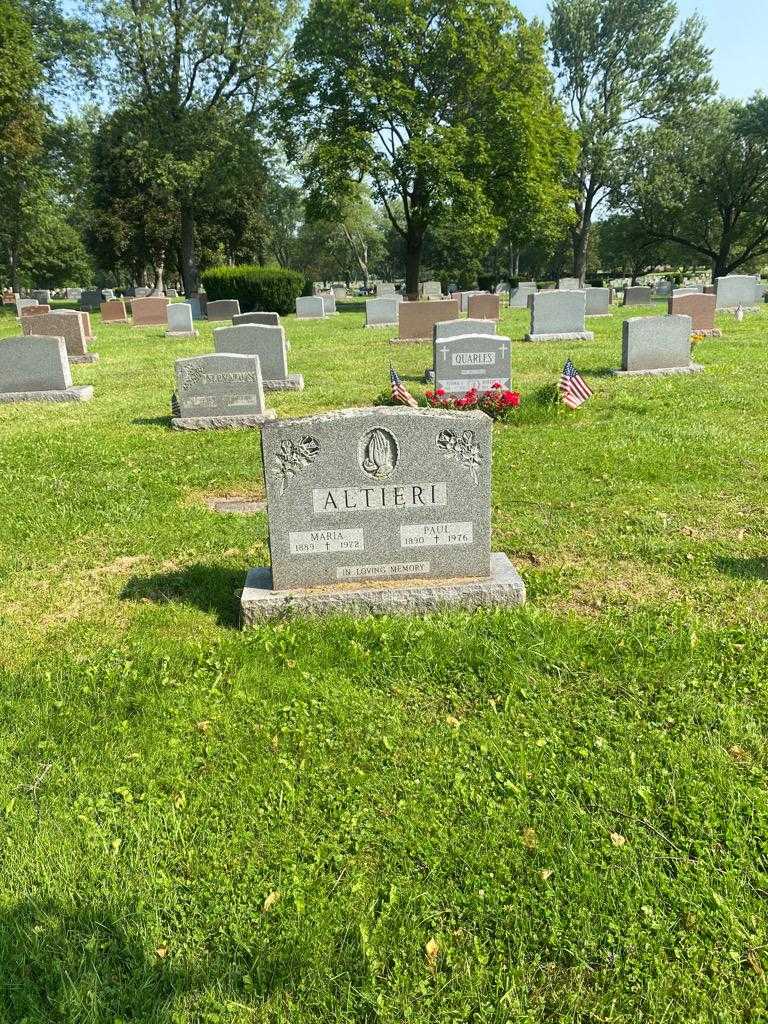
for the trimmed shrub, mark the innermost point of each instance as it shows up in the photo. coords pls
(487, 282)
(270, 289)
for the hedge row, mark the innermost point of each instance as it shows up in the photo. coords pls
(256, 288)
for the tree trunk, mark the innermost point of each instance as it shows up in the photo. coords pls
(14, 265)
(580, 237)
(413, 246)
(189, 269)
(514, 261)
(159, 287)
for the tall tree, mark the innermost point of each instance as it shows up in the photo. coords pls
(620, 64)
(401, 98)
(186, 66)
(702, 183)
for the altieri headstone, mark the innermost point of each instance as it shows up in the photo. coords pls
(471, 361)
(657, 346)
(36, 369)
(266, 342)
(381, 509)
(216, 392)
(66, 324)
(558, 315)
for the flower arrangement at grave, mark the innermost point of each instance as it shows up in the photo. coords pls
(696, 337)
(497, 402)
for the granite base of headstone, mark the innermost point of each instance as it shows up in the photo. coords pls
(378, 511)
(219, 392)
(35, 368)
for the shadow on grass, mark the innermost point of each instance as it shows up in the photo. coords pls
(744, 568)
(64, 965)
(212, 589)
(152, 421)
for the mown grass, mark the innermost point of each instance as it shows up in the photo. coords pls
(557, 813)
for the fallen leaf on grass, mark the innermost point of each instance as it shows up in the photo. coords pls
(453, 722)
(618, 839)
(530, 840)
(161, 952)
(203, 726)
(738, 753)
(754, 962)
(270, 901)
(545, 874)
(432, 951)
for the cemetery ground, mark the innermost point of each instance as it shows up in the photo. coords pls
(557, 812)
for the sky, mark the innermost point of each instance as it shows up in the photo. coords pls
(737, 32)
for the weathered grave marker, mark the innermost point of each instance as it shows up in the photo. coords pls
(180, 320)
(222, 309)
(635, 295)
(269, 344)
(558, 315)
(482, 306)
(657, 346)
(150, 311)
(66, 324)
(35, 368)
(215, 392)
(268, 319)
(113, 311)
(381, 312)
(310, 307)
(699, 307)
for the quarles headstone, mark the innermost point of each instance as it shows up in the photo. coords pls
(471, 361)
(266, 342)
(380, 509)
(215, 392)
(35, 368)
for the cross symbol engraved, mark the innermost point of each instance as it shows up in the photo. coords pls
(443, 351)
(503, 351)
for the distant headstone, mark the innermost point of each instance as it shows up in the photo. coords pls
(310, 307)
(432, 290)
(379, 510)
(268, 343)
(569, 284)
(518, 297)
(558, 315)
(41, 296)
(73, 294)
(636, 295)
(35, 368)
(150, 311)
(171, 293)
(142, 292)
(455, 328)
(662, 289)
(35, 310)
(113, 311)
(66, 324)
(483, 306)
(329, 303)
(196, 307)
(471, 361)
(268, 319)
(656, 346)
(381, 312)
(699, 307)
(385, 288)
(91, 300)
(214, 392)
(180, 320)
(735, 290)
(339, 293)
(598, 301)
(464, 298)
(417, 319)
(222, 309)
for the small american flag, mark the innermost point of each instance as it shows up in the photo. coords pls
(573, 391)
(399, 391)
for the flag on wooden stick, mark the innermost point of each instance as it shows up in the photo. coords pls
(573, 391)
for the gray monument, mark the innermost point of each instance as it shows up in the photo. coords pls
(636, 295)
(266, 342)
(381, 312)
(310, 307)
(657, 346)
(379, 510)
(471, 361)
(216, 392)
(222, 309)
(269, 319)
(35, 368)
(598, 301)
(736, 290)
(180, 320)
(569, 284)
(518, 297)
(90, 301)
(329, 303)
(558, 315)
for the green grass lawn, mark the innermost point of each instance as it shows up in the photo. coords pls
(555, 813)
